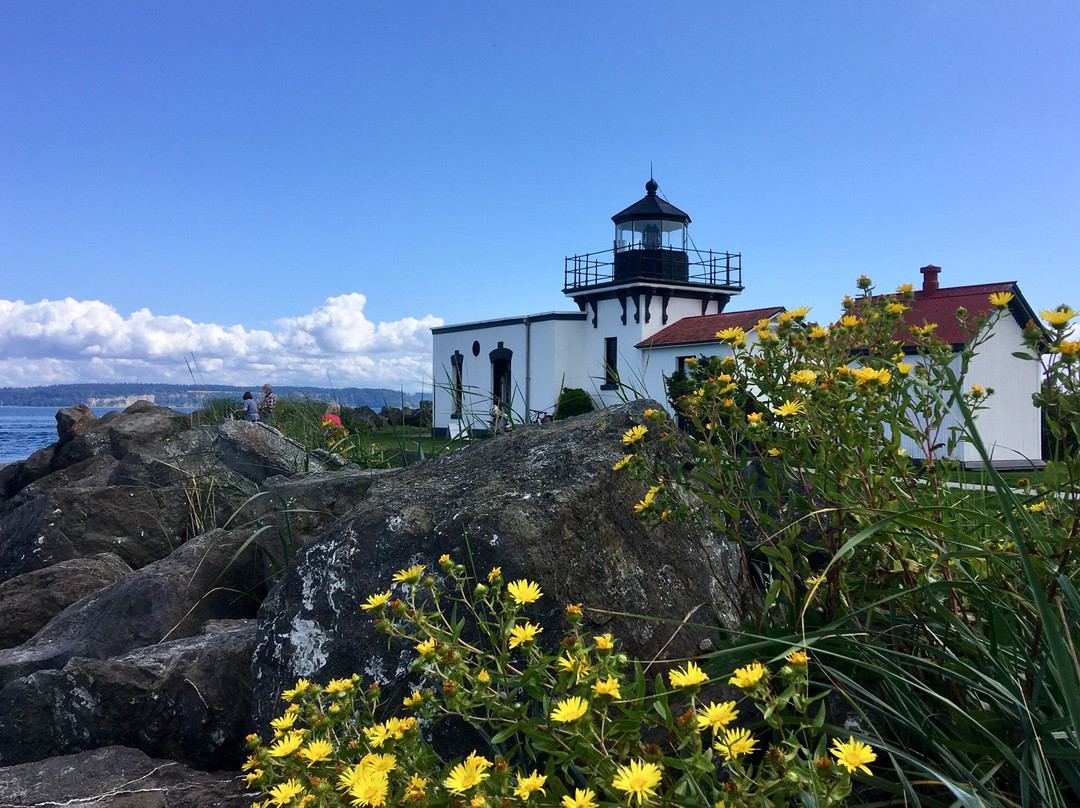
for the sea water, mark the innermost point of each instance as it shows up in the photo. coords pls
(24, 430)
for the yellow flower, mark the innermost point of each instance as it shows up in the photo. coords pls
(604, 642)
(301, 686)
(748, 676)
(646, 503)
(570, 709)
(339, 686)
(426, 647)
(736, 336)
(853, 754)
(849, 321)
(416, 790)
(376, 601)
(649, 413)
(735, 743)
(382, 763)
(524, 591)
(377, 735)
(369, 787)
(583, 798)
(251, 777)
(818, 579)
(469, 773)
(285, 722)
(896, 308)
(414, 699)
(866, 375)
(286, 792)
(817, 332)
(519, 635)
(527, 786)
(607, 687)
(717, 716)
(1038, 507)
(483, 677)
(798, 658)
(638, 779)
(316, 751)
(977, 389)
(1000, 300)
(622, 463)
(904, 368)
(1069, 347)
(573, 608)
(727, 403)
(774, 452)
(754, 417)
(444, 558)
(409, 576)
(690, 677)
(789, 408)
(496, 572)
(905, 288)
(287, 745)
(923, 330)
(793, 314)
(804, 377)
(1059, 316)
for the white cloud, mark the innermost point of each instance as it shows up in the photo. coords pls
(58, 341)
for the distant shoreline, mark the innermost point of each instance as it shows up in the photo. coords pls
(120, 395)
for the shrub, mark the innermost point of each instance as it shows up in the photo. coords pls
(944, 615)
(575, 728)
(572, 401)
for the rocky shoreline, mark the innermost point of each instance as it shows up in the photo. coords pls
(162, 580)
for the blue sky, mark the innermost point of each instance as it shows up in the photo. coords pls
(300, 191)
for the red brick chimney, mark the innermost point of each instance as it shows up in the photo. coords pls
(930, 279)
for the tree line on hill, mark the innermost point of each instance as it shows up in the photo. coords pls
(191, 396)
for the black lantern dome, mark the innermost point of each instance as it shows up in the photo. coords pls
(650, 240)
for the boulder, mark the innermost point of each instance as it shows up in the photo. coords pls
(212, 577)
(92, 473)
(74, 421)
(185, 700)
(29, 601)
(539, 503)
(117, 777)
(140, 525)
(392, 415)
(368, 418)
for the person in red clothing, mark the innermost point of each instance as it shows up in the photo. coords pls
(333, 414)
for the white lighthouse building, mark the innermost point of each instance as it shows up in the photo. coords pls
(649, 279)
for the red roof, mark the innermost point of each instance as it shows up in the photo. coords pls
(940, 305)
(695, 330)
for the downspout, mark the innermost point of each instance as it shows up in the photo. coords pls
(528, 367)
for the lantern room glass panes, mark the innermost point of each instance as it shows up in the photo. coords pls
(650, 234)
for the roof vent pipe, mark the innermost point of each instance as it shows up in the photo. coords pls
(930, 279)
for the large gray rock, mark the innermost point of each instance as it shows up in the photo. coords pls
(117, 777)
(74, 421)
(29, 601)
(140, 525)
(212, 577)
(187, 700)
(541, 503)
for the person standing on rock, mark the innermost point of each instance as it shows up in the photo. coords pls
(250, 411)
(266, 406)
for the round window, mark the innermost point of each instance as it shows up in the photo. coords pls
(476, 348)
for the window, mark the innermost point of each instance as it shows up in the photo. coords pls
(611, 363)
(459, 386)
